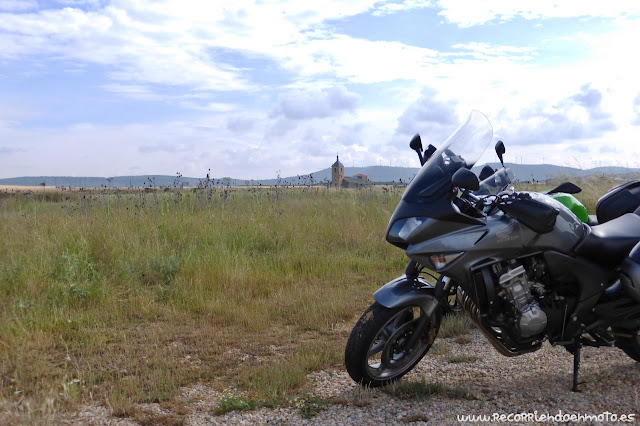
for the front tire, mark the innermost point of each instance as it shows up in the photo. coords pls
(377, 351)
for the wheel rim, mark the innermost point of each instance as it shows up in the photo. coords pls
(389, 355)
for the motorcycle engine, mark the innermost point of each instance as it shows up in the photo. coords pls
(530, 319)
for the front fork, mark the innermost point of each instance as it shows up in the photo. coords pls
(442, 287)
(441, 293)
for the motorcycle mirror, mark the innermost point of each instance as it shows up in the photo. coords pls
(416, 145)
(500, 150)
(567, 188)
(465, 179)
(486, 172)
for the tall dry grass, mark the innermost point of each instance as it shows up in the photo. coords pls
(122, 298)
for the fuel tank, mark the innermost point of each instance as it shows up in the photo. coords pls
(501, 237)
(568, 231)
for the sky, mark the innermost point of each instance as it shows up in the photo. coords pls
(255, 88)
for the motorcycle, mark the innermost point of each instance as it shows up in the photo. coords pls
(524, 268)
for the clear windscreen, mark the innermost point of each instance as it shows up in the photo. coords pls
(462, 149)
(471, 140)
(496, 182)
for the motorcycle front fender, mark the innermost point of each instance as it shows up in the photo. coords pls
(407, 292)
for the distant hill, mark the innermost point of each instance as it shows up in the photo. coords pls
(101, 182)
(377, 174)
(523, 172)
(542, 172)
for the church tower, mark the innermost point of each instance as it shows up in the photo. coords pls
(337, 173)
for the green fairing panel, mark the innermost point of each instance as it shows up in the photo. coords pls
(573, 204)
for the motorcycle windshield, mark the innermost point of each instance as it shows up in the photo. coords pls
(462, 149)
(496, 182)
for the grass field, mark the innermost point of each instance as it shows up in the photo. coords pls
(122, 297)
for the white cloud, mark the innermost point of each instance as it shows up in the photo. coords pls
(230, 145)
(316, 104)
(429, 115)
(636, 111)
(393, 7)
(481, 11)
(174, 42)
(362, 61)
(99, 150)
(139, 51)
(93, 3)
(132, 91)
(192, 54)
(486, 51)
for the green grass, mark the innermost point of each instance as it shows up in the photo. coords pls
(135, 294)
(455, 325)
(440, 348)
(421, 390)
(121, 297)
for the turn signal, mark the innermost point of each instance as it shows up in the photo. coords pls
(441, 260)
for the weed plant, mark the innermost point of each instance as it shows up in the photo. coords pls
(232, 401)
(310, 406)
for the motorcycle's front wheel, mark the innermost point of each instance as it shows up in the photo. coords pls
(381, 349)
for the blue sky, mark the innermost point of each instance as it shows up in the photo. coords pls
(252, 88)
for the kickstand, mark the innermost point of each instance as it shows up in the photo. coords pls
(576, 367)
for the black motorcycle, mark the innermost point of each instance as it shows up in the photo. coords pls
(523, 267)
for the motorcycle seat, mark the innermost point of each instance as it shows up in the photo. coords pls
(609, 244)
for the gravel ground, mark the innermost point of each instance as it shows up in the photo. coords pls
(539, 383)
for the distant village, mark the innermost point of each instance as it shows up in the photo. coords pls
(339, 180)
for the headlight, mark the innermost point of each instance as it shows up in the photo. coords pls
(402, 228)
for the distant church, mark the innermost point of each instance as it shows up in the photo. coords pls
(338, 179)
